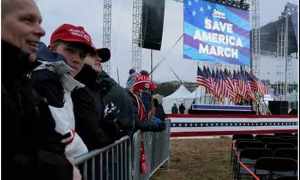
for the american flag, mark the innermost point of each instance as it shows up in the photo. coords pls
(220, 88)
(242, 84)
(237, 86)
(257, 85)
(201, 78)
(230, 87)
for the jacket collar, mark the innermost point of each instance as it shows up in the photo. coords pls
(15, 63)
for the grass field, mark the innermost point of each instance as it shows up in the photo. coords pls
(198, 159)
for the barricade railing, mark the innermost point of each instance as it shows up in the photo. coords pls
(112, 162)
(121, 160)
(157, 151)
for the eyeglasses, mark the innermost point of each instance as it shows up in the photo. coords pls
(73, 48)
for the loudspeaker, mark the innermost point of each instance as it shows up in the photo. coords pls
(278, 107)
(152, 23)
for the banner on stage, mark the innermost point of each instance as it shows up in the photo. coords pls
(216, 33)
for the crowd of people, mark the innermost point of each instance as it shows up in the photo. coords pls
(57, 101)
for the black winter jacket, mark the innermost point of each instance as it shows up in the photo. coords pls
(87, 123)
(141, 120)
(112, 93)
(30, 146)
(95, 129)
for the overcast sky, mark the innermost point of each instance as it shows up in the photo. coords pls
(88, 13)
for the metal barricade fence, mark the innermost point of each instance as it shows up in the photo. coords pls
(157, 151)
(113, 162)
(121, 160)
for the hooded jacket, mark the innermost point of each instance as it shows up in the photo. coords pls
(87, 118)
(53, 81)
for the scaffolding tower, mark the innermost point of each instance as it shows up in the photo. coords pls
(107, 19)
(137, 35)
(282, 47)
(255, 36)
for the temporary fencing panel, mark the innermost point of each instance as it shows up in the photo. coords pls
(121, 160)
(112, 162)
(157, 151)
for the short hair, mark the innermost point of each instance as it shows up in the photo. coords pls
(57, 43)
(7, 6)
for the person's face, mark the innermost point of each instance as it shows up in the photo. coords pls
(73, 54)
(21, 25)
(94, 61)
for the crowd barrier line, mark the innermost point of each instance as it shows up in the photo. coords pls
(121, 159)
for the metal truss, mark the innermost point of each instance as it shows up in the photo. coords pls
(255, 36)
(137, 34)
(107, 20)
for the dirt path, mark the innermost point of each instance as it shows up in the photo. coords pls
(198, 159)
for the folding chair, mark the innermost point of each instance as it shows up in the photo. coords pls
(260, 136)
(286, 153)
(239, 137)
(271, 167)
(293, 140)
(283, 134)
(275, 146)
(248, 157)
(287, 178)
(272, 139)
(242, 136)
(240, 145)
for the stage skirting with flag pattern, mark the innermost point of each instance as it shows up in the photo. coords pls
(214, 125)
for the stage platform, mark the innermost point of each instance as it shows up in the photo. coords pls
(222, 109)
(184, 125)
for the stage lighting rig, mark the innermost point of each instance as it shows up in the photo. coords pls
(240, 4)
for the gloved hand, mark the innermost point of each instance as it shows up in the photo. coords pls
(160, 124)
(111, 113)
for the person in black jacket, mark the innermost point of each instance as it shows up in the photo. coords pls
(31, 148)
(112, 97)
(141, 93)
(174, 109)
(90, 124)
(181, 108)
(159, 110)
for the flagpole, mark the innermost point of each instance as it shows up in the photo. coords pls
(151, 55)
(286, 55)
(118, 75)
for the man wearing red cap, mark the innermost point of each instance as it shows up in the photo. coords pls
(55, 82)
(72, 44)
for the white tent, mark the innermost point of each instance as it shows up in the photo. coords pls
(179, 96)
(197, 95)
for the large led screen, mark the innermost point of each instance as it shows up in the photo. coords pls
(216, 33)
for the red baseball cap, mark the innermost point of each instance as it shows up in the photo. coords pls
(71, 33)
